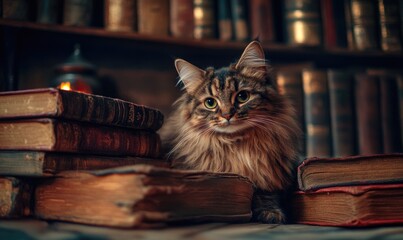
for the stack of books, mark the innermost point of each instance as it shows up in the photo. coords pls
(351, 191)
(90, 159)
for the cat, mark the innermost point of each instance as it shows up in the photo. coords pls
(234, 120)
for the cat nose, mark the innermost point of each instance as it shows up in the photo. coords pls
(227, 116)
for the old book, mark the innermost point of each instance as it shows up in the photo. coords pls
(317, 115)
(47, 134)
(39, 163)
(181, 18)
(334, 23)
(368, 112)
(50, 102)
(240, 23)
(363, 24)
(316, 173)
(350, 206)
(389, 21)
(15, 197)
(141, 195)
(153, 17)
(400, 94)
(302, 22)
(342, 112)
(204, 19)
(261, 15)
(225, 30)
(390, 118)
(120, 15)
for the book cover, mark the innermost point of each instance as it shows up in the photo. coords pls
(317, 115)
(240, 23)
(316, 173)
(44, 164)
(303, 22)
(350, 206)
(15, 198)
(67, 136)
(181, 18)
(153, 17)
(50, 102)
(204, 19)
(334, 25)
(139, 195)
(262, 23)
(389, 21)
(342, 112)
(368, 114)
(225, 30)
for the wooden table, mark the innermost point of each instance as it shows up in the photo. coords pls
(36, 229)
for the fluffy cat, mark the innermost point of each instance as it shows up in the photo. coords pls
(234, 120)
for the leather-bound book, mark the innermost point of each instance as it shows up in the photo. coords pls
(240, 22)
(181, 18)
(334, 23)
(389, 21)
(153, 17)
(15, 197)
(262, 20)
(224, 18)
(204, 19)
(120, 15)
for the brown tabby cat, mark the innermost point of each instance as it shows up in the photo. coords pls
(233, 120)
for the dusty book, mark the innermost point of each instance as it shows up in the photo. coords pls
(141, 195)
(15, 198)
(316, 173)
(350, 206)
(47, 134)
(51, 102)
(43, 164)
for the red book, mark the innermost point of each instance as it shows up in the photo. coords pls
(261, 20)
(181, 14)
(350, 206)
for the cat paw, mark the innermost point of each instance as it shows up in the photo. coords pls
(274, 216)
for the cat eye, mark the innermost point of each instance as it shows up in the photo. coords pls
(210, 103)
(243, 96)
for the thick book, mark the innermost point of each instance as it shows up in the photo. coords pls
(120, 15)
(368, 114)
(224, 18)
(181, 18)
(15, 198)
(350, 206)
(316, 173)
(240, 22)
(51, 102)
(302, 22)
(44, 164)
(389, 22)
(153, 17)
(261, 15)
(334, 23)
(47, 134)
(362, 24)
(317, 114)
(204, 12)
(140, 195)
(342, 112)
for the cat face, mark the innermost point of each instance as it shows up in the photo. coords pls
(229, 100)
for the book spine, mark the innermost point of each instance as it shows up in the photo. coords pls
(224, 20)
(317, 114)
(290, 85)
(329, 23)
(15, 198)
(400, 94)
(48, 11)
(302, 22)
(390, 114)
(15, 9)
(120, 15)
(153, 16)
(368, 114)
(338, 9)
(364, 24)
(77, 13)
(389, 25)
(89, 138)
(181, 13)
(341, 112)
(108, 111)
(239, 20)
(262, 20)
(204, 19)
(349, 24)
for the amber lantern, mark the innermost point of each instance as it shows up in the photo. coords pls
(76, 74)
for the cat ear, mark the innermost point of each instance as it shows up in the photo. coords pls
(189, 74)
(252, 56)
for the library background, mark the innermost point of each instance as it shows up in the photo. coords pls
(340, 62)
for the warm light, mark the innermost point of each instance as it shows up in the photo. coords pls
(65, 86)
